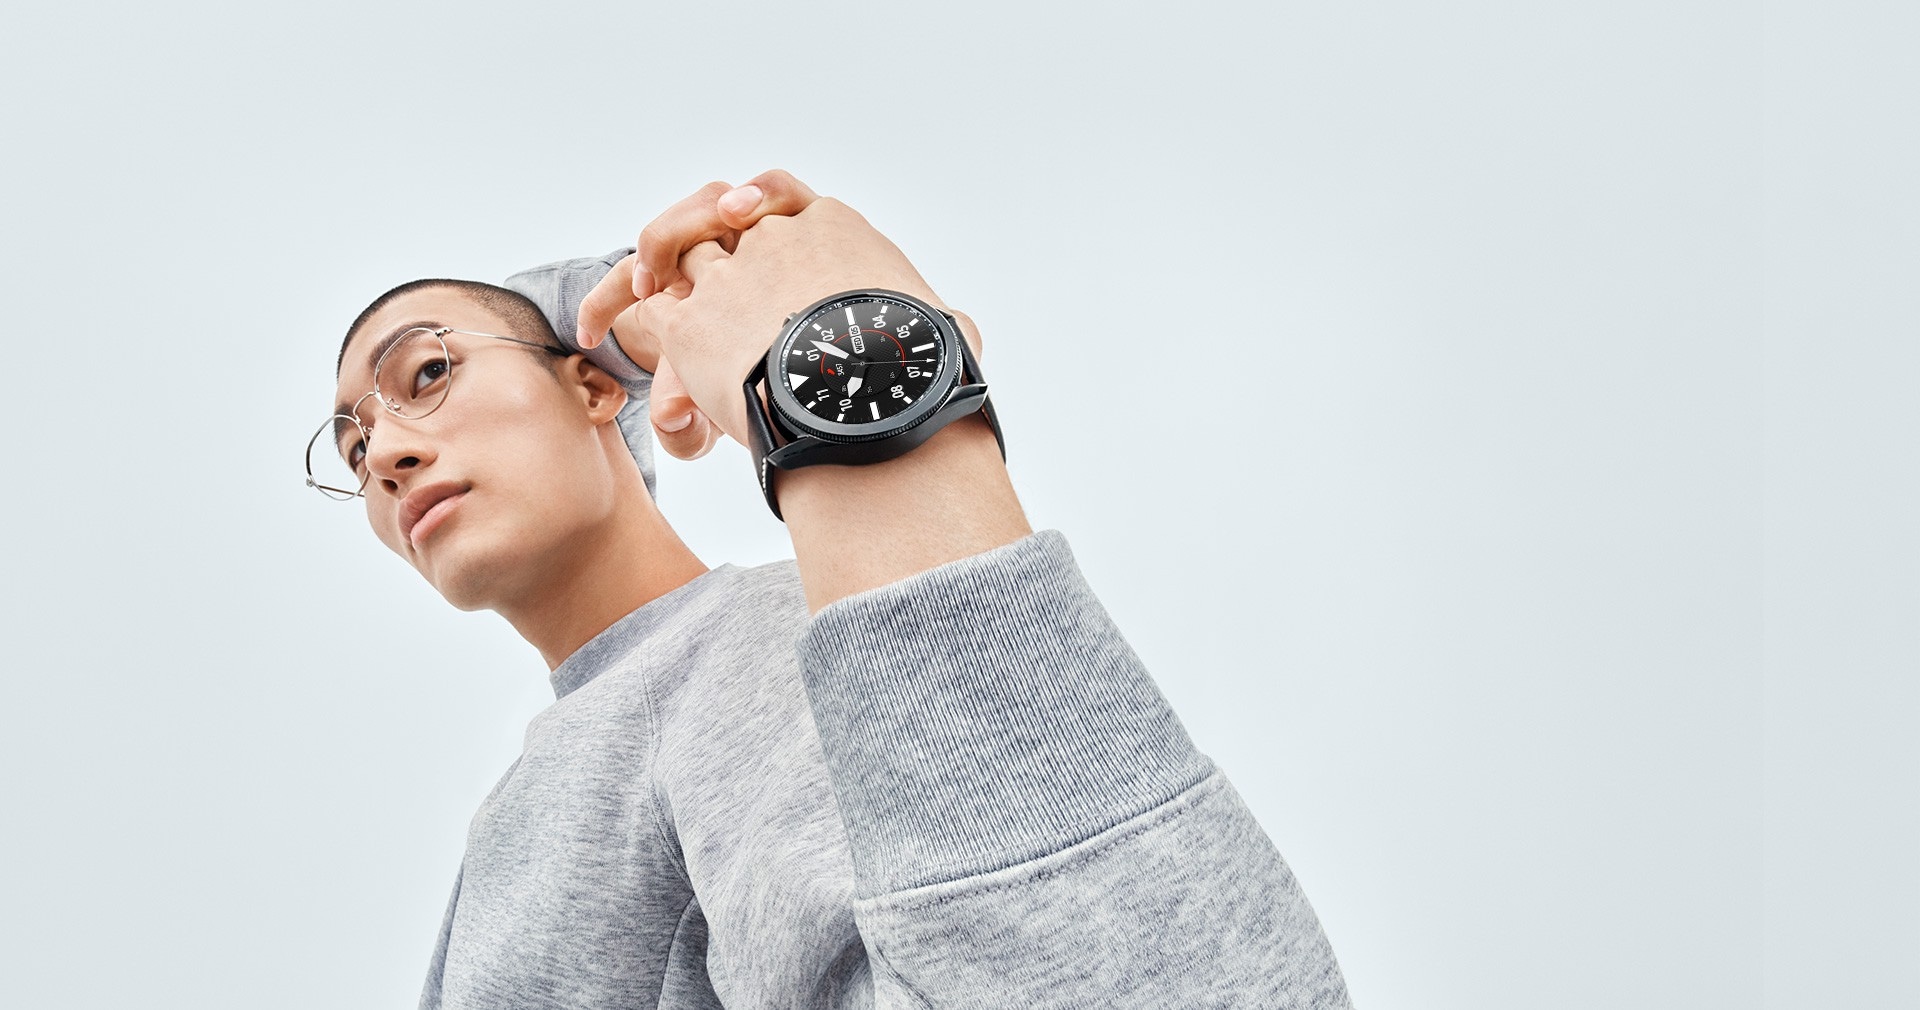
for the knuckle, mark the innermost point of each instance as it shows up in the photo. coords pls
(838, 212)
(766, 230)
(647, 318)
(650, 240)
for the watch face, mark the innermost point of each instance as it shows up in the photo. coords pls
(862, 364)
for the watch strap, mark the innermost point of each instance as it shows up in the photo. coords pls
(973, 372)
(760, 441)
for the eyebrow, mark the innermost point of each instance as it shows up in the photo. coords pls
(344, 407)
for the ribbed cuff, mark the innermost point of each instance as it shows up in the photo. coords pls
(984, 713)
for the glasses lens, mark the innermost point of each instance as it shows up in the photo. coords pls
(412, 377)
(335, 463)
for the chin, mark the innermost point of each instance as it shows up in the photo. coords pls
(473, 569)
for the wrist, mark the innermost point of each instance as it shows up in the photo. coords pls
(856, 528)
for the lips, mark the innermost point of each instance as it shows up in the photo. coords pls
(424, 507)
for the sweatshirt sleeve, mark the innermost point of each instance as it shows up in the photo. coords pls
(1030, 825)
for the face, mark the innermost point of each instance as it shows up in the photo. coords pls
(491, 495)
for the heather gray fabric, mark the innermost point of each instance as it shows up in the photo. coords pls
(558, 288)
(958, 790)
(678, 756)
(1028, 821)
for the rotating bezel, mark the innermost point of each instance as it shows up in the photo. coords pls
(792, 415)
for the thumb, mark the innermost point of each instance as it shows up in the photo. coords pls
(682, 427)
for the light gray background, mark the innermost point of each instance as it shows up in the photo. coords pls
(1491, 421)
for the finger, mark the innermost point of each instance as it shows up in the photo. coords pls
(774, 192)
(639, 344)
(682, 428)
(648, 322)
(699, 258)
(605, 302)
(681, 227)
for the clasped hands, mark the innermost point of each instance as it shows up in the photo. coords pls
(712, 280)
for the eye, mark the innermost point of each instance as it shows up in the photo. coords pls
(430, 374)
(354, 451)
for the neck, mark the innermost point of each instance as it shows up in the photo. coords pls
(633, 558)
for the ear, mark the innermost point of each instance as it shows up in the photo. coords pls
(600, 394)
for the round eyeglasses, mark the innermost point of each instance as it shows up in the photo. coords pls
(411, 378)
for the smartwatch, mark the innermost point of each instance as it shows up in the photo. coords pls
(859, 377)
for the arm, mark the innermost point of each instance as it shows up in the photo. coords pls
(711, 313)
(1029, 823)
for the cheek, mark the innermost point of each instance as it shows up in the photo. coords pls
(510, 408)
(383, 518)
(517, 438)
(527, 421)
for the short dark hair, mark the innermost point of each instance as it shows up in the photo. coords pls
(523, 317)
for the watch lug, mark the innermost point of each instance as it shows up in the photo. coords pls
(967, 360)
(804, 450)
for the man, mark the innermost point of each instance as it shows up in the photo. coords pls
(952, 785)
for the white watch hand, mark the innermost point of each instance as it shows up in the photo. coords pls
(830, 349)
(853, 385)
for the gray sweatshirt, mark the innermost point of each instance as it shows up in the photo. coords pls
(958, 790)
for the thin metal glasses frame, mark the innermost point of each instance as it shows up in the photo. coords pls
(327, 434)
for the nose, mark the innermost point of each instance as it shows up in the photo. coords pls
(396, 451)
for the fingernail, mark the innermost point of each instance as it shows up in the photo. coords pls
(741, 201)
(581, 338)
(642, 284)
(675, 423)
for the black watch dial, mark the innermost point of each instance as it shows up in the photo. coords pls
(865, 360)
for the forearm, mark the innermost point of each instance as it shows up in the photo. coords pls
(1029, 823)
(856, 528)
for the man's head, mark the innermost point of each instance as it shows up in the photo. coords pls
(523, 318)
(494, 494)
